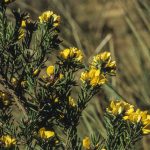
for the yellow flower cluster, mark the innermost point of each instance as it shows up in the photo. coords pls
(100, 66)
(8, 141)
(86, 143)
(43, 18)
(94, 77)
(129, 113)
(118, 107)
(105, 62)
(4, 98)
(44, 134)
(72, 53)
(47, 15)
(139, 116)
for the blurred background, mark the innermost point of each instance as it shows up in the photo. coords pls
(119, 26)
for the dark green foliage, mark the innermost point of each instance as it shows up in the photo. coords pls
(121, 135)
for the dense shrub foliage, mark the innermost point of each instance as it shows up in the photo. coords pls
(50, 113)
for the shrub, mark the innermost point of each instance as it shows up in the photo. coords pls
(49, 113)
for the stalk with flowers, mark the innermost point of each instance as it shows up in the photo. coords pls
(49, 113)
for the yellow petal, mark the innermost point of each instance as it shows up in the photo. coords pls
(36, 71)
(120, 110)
(105, 56)
(41, 132)
(86, 142)
(49, 134)
(61, 76)
(65, 53)
(45, 16)
(45, 134)
(146, 131)
(94, 81)
(92, 73)
(97, 73)
(50, 70)
(8, 141)
(23, 24)
(84, 76)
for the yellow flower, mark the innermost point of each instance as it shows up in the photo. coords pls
(56, 100)
(8, 141)
(140, 116)
(72, 53)
(50, 70)
(110, 67)
(56, 20)
(61, 76)
(23, 24)
(72, 102)
(104, 62)
(105, 56)
(118, 107)
(84, 76)
(94, 77)
(94, 73)
(14, 81)
(36, 71)
(47, 15)
(111, 64)
(43, 133)
(136, 116)
(79, 55)
(146, 123)
(146, 120)
(22, 30)
(65, 53)
(94, 81)
(86, 143)
(146, 128)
